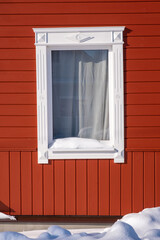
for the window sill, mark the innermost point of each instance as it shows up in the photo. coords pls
(84, 154)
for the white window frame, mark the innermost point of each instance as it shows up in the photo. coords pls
(50, 39)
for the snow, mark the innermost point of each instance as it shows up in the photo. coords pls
(144, 225)
(5, 217)
(77, 143)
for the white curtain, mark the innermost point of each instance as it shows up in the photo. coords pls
(80, 94)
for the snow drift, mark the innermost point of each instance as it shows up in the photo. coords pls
(144, 225)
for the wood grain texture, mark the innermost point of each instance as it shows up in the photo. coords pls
(79, 7)
(126, 184)
(138, 181)
(15, 183)
(104, 187)
(92, 181)
(157, 178)
(49, 188)
(70, 187)
(26, 183)
(59, 182)
(149, 180)
(37, 186)
(115, 188)
(81, 187)
(4, 183)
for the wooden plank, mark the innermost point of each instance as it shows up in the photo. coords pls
(140, 65)
(143, 121)
(59, 187)
(4, 183)
(87, 19)
(18, 87)
(78, 7)
(126, 185)
(21, 65)
(49, 185)
(17, 76)
(18, 132)
(18, 98)
(115, 208)
(16, 54)
(143, 87)
(63, 1)
(15, 183)
(130, 65)
(142, 76)
(129, 53)
(26, 183)
(142, 110)
(15, 42)
(141, 53)
(130, 30)
(140, 42)
(92, 174)
(149, 179)
(145, 98)
(18, 110)
(157, 179)
(18, 144)
(143, 143)
(142, 30)
(142, 132)
(138, 182)
(81, 187)
(37, 185)
(16, 31)
(70, 187)
(104, 187)
(19, 121)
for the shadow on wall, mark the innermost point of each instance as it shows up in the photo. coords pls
(5, 209)
(126, 33)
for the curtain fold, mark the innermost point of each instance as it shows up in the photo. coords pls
(80, 94)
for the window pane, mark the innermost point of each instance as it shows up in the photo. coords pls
(80, 94)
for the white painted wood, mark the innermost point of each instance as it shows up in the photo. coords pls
(42, 104)
(48, 39)
(118, 102)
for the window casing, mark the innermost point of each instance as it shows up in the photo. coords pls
(75, 39)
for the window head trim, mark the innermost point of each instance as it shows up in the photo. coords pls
(47, 39)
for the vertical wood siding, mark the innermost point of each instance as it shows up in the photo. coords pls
(27, 188)
(79, 187)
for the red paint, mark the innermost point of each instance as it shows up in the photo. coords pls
(15, 182)
(114, 188)
(37, 184)
(26, 183)
(138, 181)
(126, 185)
(79, 187)
(70, 187)
(149, 179)
(48, 191)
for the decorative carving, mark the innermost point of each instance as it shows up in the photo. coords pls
(117, 36)
(79, 37)
(41, 37)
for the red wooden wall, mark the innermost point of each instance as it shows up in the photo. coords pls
(79, 187)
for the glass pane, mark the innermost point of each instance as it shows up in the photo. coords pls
(80, 94)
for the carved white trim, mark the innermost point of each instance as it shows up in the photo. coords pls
(118, 103)
(48, 39)
(42, 104)
(79, 37)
